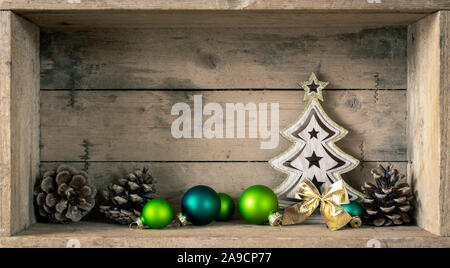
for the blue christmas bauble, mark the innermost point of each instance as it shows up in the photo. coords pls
(200, 205)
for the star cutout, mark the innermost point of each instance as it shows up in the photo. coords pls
(317, 183)
(314, 160)
(313, 88)
(313, 134)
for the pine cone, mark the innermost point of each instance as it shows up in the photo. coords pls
(127, 198)
(65, 195)
(387, 202)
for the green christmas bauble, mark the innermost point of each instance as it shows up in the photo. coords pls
(200, 205)
(354, 209)
(226, 207)
(257, 203)
(157, 214)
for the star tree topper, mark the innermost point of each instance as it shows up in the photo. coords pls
(313, 154)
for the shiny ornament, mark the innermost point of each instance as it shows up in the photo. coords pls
(200, 205)
(257, 203)
(226, 207)
(353, 208)
(156, 214)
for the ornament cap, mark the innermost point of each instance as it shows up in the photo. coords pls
(355, 222)
(181, 220)
(275, 219)
(139, 224)
(313, 88)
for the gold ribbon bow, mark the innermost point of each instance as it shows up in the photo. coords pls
(330, 201)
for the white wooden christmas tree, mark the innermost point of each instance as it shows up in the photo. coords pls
(313, 154)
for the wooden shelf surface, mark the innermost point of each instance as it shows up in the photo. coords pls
(88, 19)
(357, 5)
(229, 234)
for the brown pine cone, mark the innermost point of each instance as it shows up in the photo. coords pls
(127, 197)
(65, 195)
(388, 203)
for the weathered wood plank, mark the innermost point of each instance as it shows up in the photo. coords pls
(222, 234)
(214, 18)
(318, 5)
(444, 100)
(224, 58)
(5, 117)
(174, 178)
(428, 120)
(19, 106)
(25, 116)
(136, 125)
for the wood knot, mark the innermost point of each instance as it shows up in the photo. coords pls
(353, 103)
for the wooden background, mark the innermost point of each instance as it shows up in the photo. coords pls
(317, 5)
(106, 96)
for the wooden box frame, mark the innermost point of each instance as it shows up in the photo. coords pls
(428, 120)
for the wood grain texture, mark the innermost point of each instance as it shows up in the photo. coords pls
(223, 58)
(136, 125)
(214, 18)
(25, 118)
(320, 5)
(222, 235)
(175, 178)
(5, 117)
(428, 120)
(444, 100)
(19, 58)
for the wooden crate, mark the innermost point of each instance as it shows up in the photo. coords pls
(91, 83)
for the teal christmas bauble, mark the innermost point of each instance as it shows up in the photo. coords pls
(257, 203)
(157, 214)
(200, 205)
(226, 207)
(354, 209)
